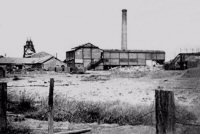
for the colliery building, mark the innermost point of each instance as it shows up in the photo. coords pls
(90, 56)
(87, 56)
(38, 61)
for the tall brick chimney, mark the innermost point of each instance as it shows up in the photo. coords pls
(124, 30)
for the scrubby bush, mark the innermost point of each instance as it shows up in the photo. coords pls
(20, 103)
(67, 109)
(88, 112)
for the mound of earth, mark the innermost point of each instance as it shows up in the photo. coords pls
(192, 72)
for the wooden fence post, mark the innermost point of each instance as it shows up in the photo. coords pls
(2, 72)
(3, 105)
(165, 112)
(50, 119)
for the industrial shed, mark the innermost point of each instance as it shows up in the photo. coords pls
(89, 56)
(45, 63)
(85, 56)
(113, 58)
(53, 63)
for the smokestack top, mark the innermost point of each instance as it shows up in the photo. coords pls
(124, 30)
(124, 10)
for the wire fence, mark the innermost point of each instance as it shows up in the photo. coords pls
(149, 118)
(185, 121)
(145, 118)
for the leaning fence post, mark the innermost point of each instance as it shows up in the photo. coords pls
(50, 118)
(165, 112)
(3, 105)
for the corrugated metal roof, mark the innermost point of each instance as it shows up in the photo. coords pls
(40, 54)
(43, 59)
(136, 51)
(87, 45)
(13, 60)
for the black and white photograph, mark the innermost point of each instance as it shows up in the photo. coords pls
(99, 67)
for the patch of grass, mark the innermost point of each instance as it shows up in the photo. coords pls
(185, 116)
(20, 103)
(13, 128)
(89, 112)
(66, 109)
(182, 129)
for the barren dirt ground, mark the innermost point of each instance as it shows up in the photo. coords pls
(107, 86)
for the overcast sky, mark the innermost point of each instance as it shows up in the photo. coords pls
(55, 26)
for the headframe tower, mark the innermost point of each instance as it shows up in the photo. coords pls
(28, 49)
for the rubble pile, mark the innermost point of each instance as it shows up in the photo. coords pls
(96, 78)
(132, 72)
